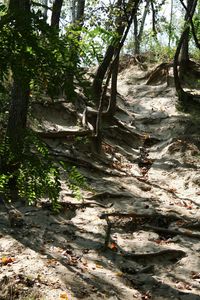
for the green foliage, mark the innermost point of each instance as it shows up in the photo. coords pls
(34, 52)
(75, 180)
(93, 43)
(34, 175)
(46, 57)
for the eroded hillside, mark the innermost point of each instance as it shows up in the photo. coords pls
(135, 234)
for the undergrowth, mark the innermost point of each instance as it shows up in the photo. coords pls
(35, 175)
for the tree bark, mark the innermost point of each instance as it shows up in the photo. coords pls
(138, 32)
(16, 5)
(184, 52)
(56, 12)
(113, 96)
(170, 24)
(20, 91)
(80, 11)
(153, 19)
(101, 72)
(78, 8)
(18, 113)
(45, 9)
(112, 71)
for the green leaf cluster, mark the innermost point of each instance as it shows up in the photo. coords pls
(76, 181)
(34, 175)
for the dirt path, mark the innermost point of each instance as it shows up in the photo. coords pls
(144, 205)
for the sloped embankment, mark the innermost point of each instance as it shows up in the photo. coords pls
(143, 206)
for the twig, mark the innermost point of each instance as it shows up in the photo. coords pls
(108, 232)
(187, 233)
(171, 252)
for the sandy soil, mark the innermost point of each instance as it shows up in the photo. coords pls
(144, 196)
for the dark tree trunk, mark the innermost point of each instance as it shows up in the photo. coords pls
(45, 9)
(138, 32)
(184, 97)
(80, 11)
(56, 12)
(135, 32)
(113, 96)
(101, 72)
(20, 91)
(19, 5)
(184, 52)
(110, 66)
(78, 8)
(153, 19)
(18, 113)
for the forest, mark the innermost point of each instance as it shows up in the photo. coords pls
(99, 149)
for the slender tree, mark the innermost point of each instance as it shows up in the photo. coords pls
(184, 51)
(45, 9)
(139, 28)
(109, 66)
(170, 23)
(20, 11)
(182, 54)
(56, 12)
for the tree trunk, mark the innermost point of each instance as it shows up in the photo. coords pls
(138, 32)
(77, 20)
(18, 113)
(101, 72)
(56, 12)
(45, 9)
(19, 5)
(183, 96)
(135, 32)
(111, 67)
(113, 96)
(20, 91)
(170, 24)
(153, 20)
(184, 52)
(80, 11)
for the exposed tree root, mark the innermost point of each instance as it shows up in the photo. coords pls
(159, 74)
(63, 134)
(87, 164)
(187, 233)
(169, 252)
(139, 219)
(104, 195)
(69, 204)
(137, 216)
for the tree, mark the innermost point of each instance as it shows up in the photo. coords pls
(184, 51)
(138, 30)
(170, 23)
(182, 58)
(20, 12)
(32, 52)
(56, 12)
(109, 66)
(45, 9)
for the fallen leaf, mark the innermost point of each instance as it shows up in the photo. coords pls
(6, 260)
(99, 266)
(195, 275)
(63, 296)
(113, 246)
(172, 190)
(119, 274)
(181, 222)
